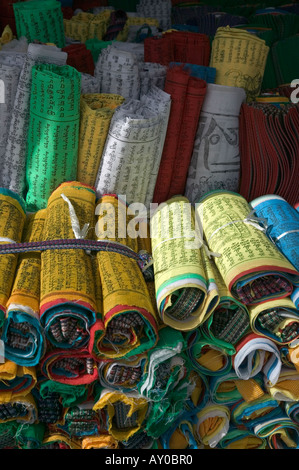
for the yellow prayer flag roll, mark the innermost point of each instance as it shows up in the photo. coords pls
(85, 25)
(128, 313)
(15, 381)
(212, 424)
(12, 219)
(96, 111)
(68, 301)
(240, 59)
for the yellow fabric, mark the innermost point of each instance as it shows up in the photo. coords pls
(72, 443)
(7, 35)
(212, 360)
(195, 379)
(9, 371)
(178, 440)
(240, 59)
(206, 429)
(294, 356)
(96, 111)
(290, 386)
(132, 21)
(67, 274)
(107, 399)
(227, 386)
(248, 442)
(12, 220)
(87, 26)
(26, 287)
(249, 389)
(99, 442)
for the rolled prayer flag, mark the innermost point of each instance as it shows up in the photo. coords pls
(126, 412)
(49, 407)
(248, 415)
(40, 22)
(282, 228)
(73, 367)
(255, 354)
(8, 431)
(211, 425)
(281, 433)
(179, 437)
(16, 381)
(53, 133)
(237, 438)
(292, 410)
(68, 300)
(102, 441)
(228, 389)
(69, 395)
(186, 293)
(22, 333)
(287, 386)
(31, 436)
(128, 314)
(122, 375)
(252, 268)
(215, 161)
(22, 409)
(96, 111)
(240, 59)
(12, 220)
(81, 420)
(278, 320)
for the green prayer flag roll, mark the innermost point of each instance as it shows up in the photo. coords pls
(41, 21)
(53, 133)
(70, 395)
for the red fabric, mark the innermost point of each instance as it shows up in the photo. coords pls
(79, 57)
(88, 4)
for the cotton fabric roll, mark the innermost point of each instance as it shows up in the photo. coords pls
(252, 268)
(283, 228)
(31, 436)
(276, 320)
(69, 395)
(72, 367)
(186, 293)
(67, 299)
(80, 421)
(254, 354)
(280, 433)
(16, 380)
(22, 409)
(99, 442)
(241, 439)
(40, 22)
(206, 357)
(179, 437)
(215, 161)
(240, 59)
(117, 72)
(212, 424)
(249, 415)
(228, 388)
(12, 220)
(128, 315)
(292, 410)
(133, 148)
(22, 333)
(12, 175)
(53, 133)
(96, 111)
(286, 389)
(123, 375)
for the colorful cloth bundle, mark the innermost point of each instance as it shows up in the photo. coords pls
(12, 220)
(179, 437)
(215, 162)
(81, 421)
(186, 293)
(212, 424)
(130, 326)
(281, 433)
(270, 130)
(133, 148)
(30, 436)
(207, 74)
(178, 46)
(258, 411)
(283, 228)
(286, 389)
(69, 395)
(68, 300)
(99, 442)
(21, 409)
(240, 59)
(228, 389)
(187, 97)
(96, 111)
(53, 132)
(38, 22)
(13, 171)
(241, 439)
(252, 268)
(22, 333)
(15, 381)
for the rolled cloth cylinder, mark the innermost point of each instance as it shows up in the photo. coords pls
(40, 21)
(53, 134)
(215, 161)
(240, 60)
(252, 268)
(68, 301)
(16, 380)
(185, 291)
(212, 424)
(128, 313)
(23, 334)
(96, 111)
(12, 220)
(12, 175)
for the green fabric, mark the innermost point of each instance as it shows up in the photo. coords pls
(284, 25)
(30, 436)
(96, 46)
(71, 395)
(53, 133)
(285, 59)
(41, 21)
(7, 434)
